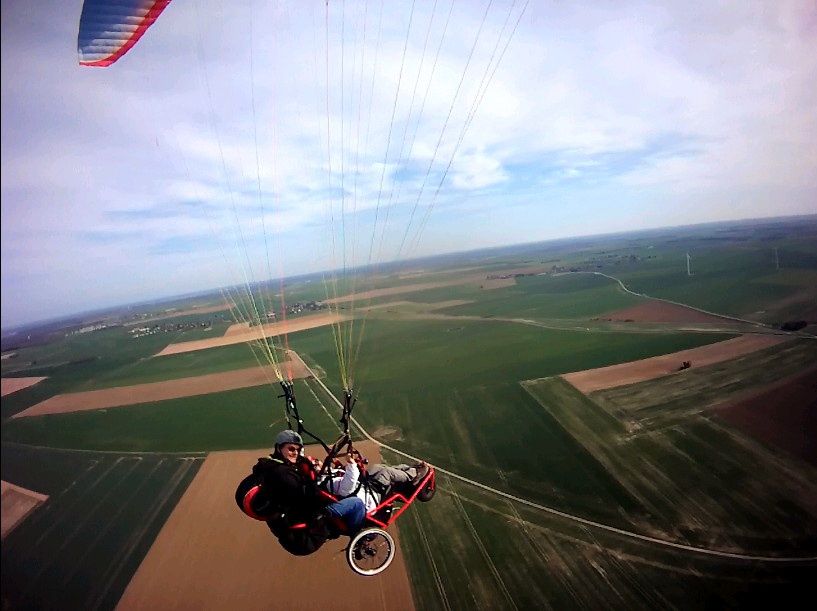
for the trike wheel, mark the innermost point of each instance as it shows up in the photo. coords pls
(427, 493)
(370, 551)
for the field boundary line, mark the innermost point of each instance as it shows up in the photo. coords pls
(485, 553)
(137, 536)
(575, 518)
(101, 532)
(755, 323)
(523, 524)
(77, 528)
(106, 470)
(437, 579)
(195, 455)
(574, 326)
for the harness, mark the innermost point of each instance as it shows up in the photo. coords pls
(286, 519)
(342, 444)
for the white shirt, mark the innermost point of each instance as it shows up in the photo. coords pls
(344, 485)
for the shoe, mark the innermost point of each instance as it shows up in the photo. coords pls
(422, 470)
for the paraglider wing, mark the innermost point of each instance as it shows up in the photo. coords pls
(109, 28)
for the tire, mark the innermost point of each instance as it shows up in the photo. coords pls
(244, 487)
(427, 493)
(251, 498)
(370, 551)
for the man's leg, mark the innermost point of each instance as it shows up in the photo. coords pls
(387, 476)
(351, 510)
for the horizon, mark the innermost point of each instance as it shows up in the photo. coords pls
(208, 291)
(430, 132)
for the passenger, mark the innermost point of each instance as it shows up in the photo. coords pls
(379, 480)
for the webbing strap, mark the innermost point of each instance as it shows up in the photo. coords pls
(343, 442)
(291, 407)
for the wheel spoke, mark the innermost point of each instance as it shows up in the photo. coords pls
(370, 551)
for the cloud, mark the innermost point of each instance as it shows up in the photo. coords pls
(218, 127)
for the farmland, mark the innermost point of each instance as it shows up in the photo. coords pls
(226, 358)
(465, 375)
(658, 403)
(458, 409)
(80, 549)
(74, 362)
(677, 475)
(548, 297)
(243, 418)
(468, 549)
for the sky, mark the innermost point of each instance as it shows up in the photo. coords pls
(246, 140)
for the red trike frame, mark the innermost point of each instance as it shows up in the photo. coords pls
(389, 502)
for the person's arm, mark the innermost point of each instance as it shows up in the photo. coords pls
(348, 483)
(292, 486)
(333, 479)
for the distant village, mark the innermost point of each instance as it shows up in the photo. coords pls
(292, 309)
(299, 307)
(89, 328)
(170, 328)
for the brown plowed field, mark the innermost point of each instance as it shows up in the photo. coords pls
(783, 415)
(10, 385)
(160, 391)
(660, 311)
(237, 328)
(17, 504)
(497, 283)
(408, 288)
(521, 271)
(423, 273)
(238, 337)
(591, 380)
(209, 555)
(481, 279)
(416, 305)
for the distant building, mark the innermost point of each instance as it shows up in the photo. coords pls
(90, 328)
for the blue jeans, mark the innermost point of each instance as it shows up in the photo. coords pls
(351, 510)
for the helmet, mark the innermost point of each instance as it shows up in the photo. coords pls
(288, 436)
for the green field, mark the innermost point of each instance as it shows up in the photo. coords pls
(471, 550)
(85, 354)
(243, 418)
(88, 360)
(80, 548)
(465, 410)
(664, 401)
(571, 297)
(695, 480)
(183, 365)
(740, 282)
(472, 388)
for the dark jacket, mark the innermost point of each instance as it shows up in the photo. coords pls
(295, 500)
(291, 487)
